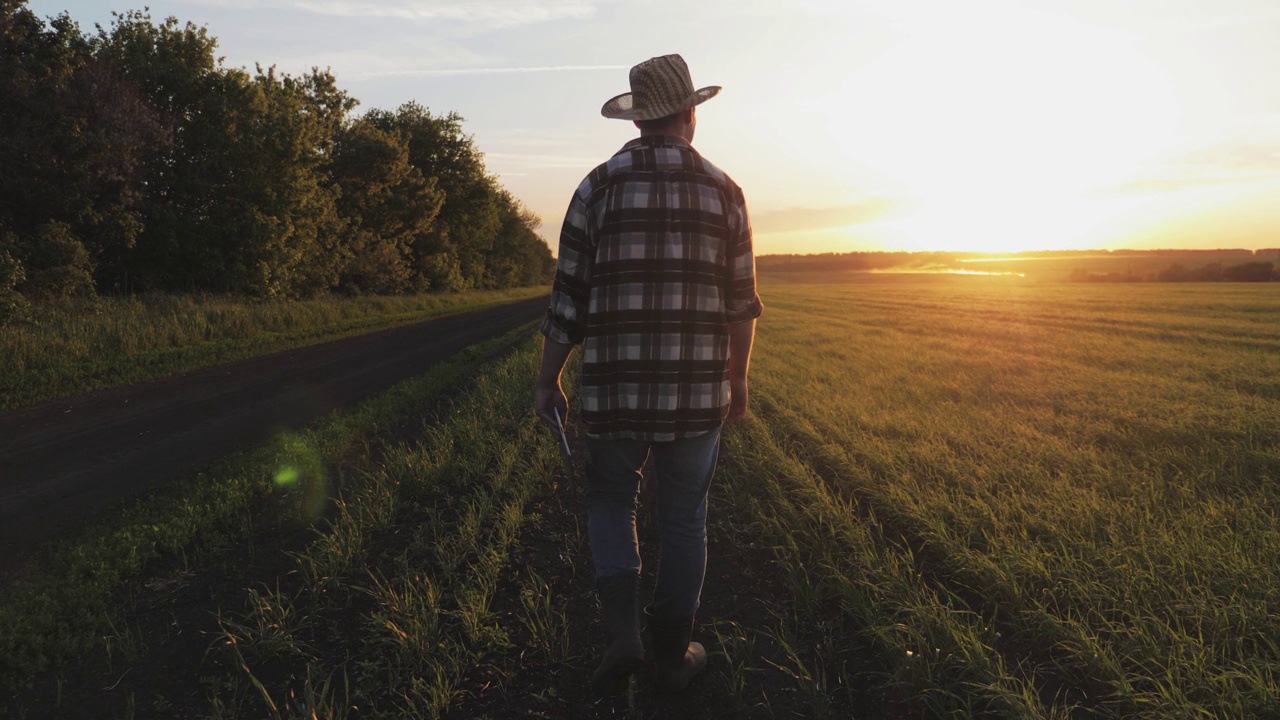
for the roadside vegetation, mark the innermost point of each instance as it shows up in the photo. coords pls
(85, 596)
(78, 346)
(961, 498)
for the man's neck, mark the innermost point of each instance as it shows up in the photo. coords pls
(666, 133)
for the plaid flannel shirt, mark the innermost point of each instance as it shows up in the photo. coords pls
(655, 262)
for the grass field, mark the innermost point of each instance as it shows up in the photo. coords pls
(1040, 501)
(967, 497)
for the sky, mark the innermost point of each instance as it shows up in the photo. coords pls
(851, 125)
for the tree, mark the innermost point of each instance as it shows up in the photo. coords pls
(388, 206)
(73, 135)
(175, 69)
(1209, 272)
(292, 237)
(1249, 272)
(240, 201)
(36, 137)
(520, 256)
(13, 305)
(449, 257)
(55, 262)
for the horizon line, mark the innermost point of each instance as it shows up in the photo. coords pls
(1011, 253)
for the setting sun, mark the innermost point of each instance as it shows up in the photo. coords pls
(1003, 129)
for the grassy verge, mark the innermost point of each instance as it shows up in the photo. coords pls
(417, 548)
(69, 604)
(74, 348)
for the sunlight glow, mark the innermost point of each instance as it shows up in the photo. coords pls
(1003, 128)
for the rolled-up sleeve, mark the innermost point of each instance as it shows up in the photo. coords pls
(742, 303)
(566, 320)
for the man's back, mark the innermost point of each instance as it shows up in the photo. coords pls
(656, 261)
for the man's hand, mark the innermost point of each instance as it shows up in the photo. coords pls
(741, 336)
(547, 394)
(547, 399)
(737, 401)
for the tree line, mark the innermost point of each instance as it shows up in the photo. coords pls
(1257, 271)
(132, 159)
(854, 261)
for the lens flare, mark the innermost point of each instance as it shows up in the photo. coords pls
(288, 475)
(301, 474)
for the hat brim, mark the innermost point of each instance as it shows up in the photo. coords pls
(622, 107)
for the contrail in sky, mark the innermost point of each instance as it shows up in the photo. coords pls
(492, 70)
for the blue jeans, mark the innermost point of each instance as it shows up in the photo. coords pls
(683, 470)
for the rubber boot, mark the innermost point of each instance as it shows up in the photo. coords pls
(625, 651)
(676, 660)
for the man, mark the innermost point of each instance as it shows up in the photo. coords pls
(656, 278)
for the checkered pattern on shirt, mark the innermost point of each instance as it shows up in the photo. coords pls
(655, 261)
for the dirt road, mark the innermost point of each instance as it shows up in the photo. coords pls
(63, 461)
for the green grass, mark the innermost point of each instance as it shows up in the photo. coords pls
(70, 602)
(419, 543)
(1044, 498)
(951, 499)
(66, 349)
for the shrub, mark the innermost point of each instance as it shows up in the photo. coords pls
(13, 306)
(56, 262)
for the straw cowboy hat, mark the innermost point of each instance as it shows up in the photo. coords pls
(660, 86)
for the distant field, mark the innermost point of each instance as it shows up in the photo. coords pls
(1035, 499)
(1035, 267)
(962, 497)
(1142, 266)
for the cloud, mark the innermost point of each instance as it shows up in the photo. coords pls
(798, 219)
(525, 160)
(1226, 21)
(489, 13)
(1241, 155)
(539, 138)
